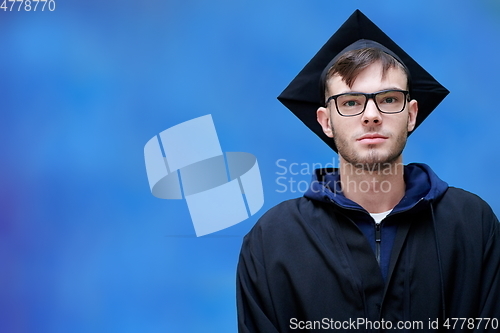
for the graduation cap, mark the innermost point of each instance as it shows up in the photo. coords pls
(305, 94)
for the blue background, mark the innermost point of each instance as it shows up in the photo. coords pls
(85, 247)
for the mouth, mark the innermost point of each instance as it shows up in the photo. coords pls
(371, 139)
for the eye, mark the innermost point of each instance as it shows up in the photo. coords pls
(351, 100)
(389, 100)
(350, 103)
(390, 97)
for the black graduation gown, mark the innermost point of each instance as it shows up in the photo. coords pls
(305, 266)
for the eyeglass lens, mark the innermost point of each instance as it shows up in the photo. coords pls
(387, 101)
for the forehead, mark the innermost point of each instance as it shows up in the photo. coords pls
(371, 79)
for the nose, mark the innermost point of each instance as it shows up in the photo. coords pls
(371, 115)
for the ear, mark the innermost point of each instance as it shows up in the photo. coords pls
(412, 114)
(323, 117)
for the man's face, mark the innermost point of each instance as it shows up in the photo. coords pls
(371, 138)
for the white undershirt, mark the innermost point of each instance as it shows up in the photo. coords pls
(378, 217)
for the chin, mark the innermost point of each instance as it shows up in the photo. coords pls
(373, 158)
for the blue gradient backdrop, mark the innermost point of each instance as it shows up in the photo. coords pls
(85, 247)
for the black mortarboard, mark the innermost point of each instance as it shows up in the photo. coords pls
(305, 94)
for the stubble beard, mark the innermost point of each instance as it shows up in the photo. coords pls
(374, 159)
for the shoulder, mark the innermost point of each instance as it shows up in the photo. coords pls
(460, 209)
(288, 223)
(464, 201)
(292, 213)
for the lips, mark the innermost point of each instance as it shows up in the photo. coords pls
(372, 138)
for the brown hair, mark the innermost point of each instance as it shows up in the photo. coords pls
(353, 62)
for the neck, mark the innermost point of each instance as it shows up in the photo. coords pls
(377, 188)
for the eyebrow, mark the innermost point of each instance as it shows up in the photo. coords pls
(357, 92)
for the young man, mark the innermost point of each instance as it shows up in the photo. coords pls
(373, 245)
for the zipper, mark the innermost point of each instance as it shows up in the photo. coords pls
(378, 232)
(378, 240)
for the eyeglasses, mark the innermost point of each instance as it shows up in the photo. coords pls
(353, 104)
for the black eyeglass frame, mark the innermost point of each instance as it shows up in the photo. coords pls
(368, 97)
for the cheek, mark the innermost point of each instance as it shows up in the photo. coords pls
(401, 123)
(347, 122)
(342, 129)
